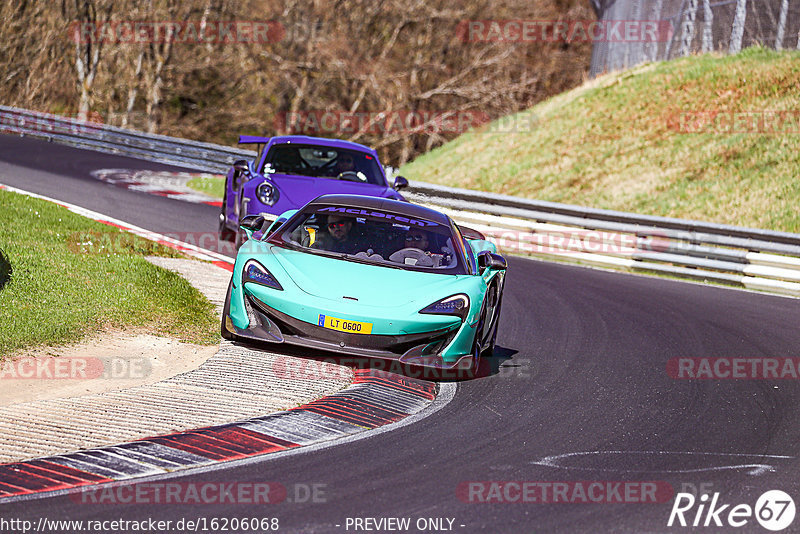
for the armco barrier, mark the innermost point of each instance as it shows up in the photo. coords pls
(752, 258)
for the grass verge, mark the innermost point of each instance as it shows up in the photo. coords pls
(213, 187)
(687, 138)
(71, 276)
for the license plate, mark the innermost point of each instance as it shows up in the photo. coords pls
(351, 327)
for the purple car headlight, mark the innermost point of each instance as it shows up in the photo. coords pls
(267, 193)
(453, 305)
(258, 274)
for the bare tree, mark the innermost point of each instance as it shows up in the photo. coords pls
(383, 59)
(89, 44)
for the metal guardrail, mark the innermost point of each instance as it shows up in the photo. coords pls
(752, 258)
(171, 150)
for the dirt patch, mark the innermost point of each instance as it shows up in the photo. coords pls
(124, 386)
(107, 362)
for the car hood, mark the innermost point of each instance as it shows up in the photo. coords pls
(302, 189)
(372, 285)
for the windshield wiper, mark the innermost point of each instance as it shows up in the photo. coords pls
(366, 261)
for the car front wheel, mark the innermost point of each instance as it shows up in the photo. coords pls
(224, 332)
(225, 233)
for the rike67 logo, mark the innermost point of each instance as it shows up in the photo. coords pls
(774, 510)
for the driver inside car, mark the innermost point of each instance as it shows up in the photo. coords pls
(338, 235)
(418, 239)
(345, 163)
(416, 250)
(347, 168)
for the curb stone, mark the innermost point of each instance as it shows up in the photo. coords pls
(374, 399)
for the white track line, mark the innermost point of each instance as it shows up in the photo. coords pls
(186, 248)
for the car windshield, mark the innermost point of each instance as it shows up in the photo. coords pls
(374, 236)
(323, 162)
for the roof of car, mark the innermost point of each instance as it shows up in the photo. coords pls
(384, 204)
(323, 141)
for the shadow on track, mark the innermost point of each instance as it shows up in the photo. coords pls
(501, 356)
(5, 269)
(317, 365)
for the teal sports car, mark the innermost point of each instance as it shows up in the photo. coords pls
(369, 277)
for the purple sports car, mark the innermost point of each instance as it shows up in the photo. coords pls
(292, 170)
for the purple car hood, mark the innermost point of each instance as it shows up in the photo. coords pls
(302, 189)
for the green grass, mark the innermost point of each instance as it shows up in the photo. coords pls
(72, 277)
(615, 143)
(214, 187)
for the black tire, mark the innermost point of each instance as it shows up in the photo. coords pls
(240, 237)
(496, 325)
(479, 354)
(479, 335)
(239, 240)
(230, 336)
(488, 351)
(225, 233)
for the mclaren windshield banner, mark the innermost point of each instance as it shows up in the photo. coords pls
(377, 215)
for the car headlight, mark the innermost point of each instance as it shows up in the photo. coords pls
(267, 193)
(453, 305)
(258, 274)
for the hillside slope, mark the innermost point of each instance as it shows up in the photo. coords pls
(706, 137)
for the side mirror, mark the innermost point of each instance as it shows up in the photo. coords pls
(277, 223)
(240, 168)
(400, 183)
(489, 260)
(251, 223)
(471, 233)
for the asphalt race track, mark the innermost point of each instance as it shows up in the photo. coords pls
(578, 391)
(61, 172)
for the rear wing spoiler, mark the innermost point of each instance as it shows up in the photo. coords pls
(253, 140)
